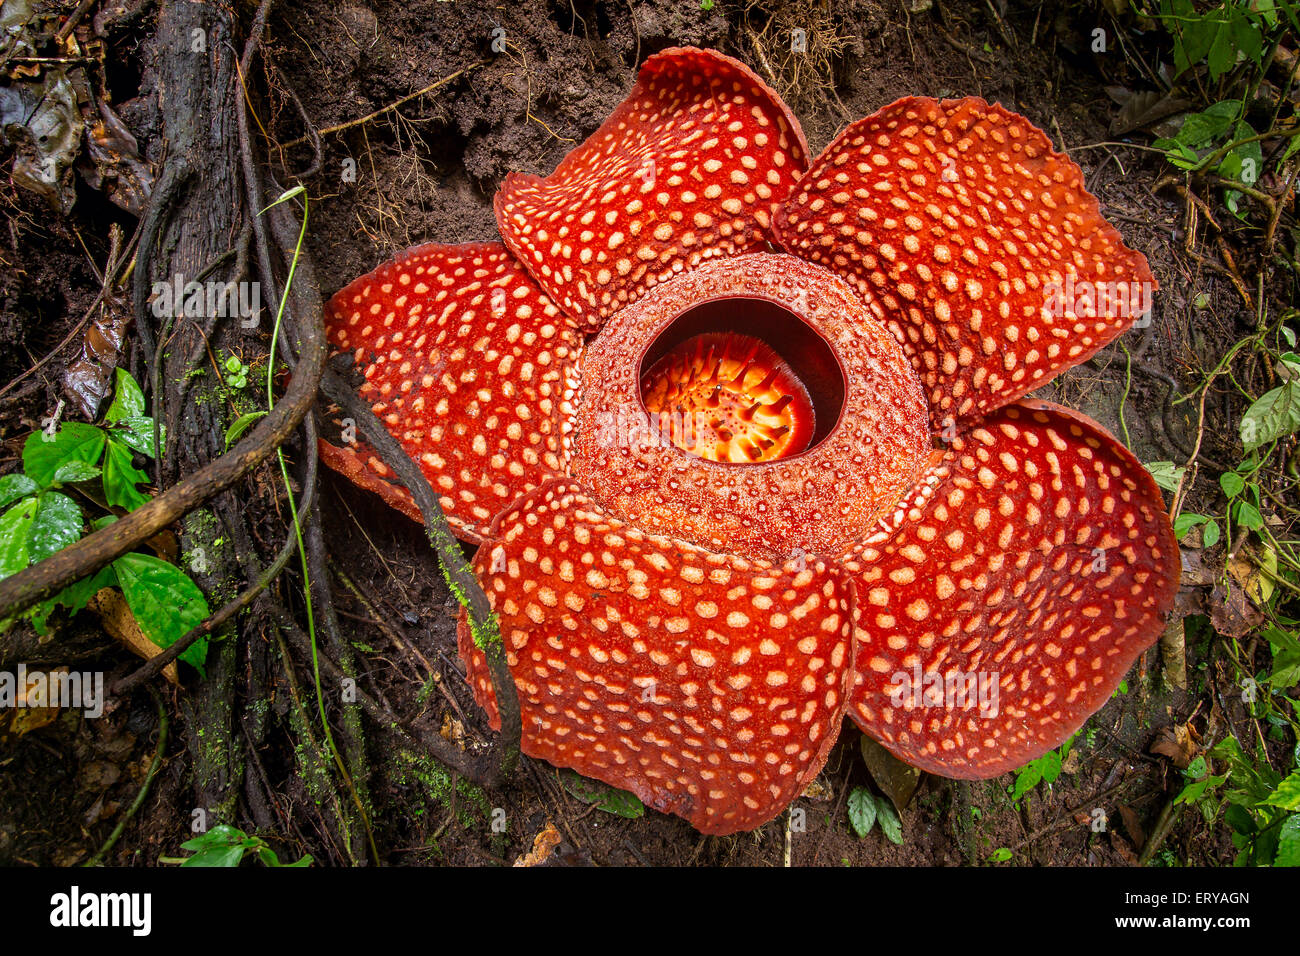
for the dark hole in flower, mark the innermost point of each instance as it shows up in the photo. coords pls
(742, 381)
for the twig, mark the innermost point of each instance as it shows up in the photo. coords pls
(330, 130)
(71, 23)
(1164, 824)
(460, 578)
(1068, 817)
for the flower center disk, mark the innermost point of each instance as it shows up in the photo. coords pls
(729, 398)
(754, 405)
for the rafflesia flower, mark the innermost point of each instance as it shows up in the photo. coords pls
(744, 444)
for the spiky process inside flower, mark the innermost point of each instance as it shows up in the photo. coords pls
(726, 496)
(729, 397)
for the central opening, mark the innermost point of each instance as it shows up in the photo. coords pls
(741, 381)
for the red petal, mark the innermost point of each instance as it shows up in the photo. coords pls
(470, 366)
(710, 686)
(690, 166)
(1036, 553)
(963, 221)
(361, 466)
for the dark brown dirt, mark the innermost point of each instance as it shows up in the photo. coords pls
(428, 172)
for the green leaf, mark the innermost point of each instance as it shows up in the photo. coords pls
(1178, 154)
(57, 524)
(889, 822)
(1281, 641)
(1247, 515)
(1247, 38)
(1287, 794)
(71, 471)
(1185, 522)
(862, 810)
(1286, 669)
(1000, 855)
(1210, 536)
(1192, 792)
(137, 433)
(1246, 161)
(223, 834)
(1027, 777)
(1166, 474)
(128, 399)
(121, 478)
(1274, 415)
(223, 845)
(43, 454)
(1051, 762)
(241, 425)
(15, 486)
(15, 529)
(74, 597)
(1288, 842)
(604, 797)
(1200, 130)
(1231, 483)
(1239, 818)
(217, 856)
(166, 603)
(1223, 53)
(621, 804)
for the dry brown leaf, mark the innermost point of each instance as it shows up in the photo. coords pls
(1244, 568)
(1196, 571)
(1071, 762)
(817, 790)
(544, 845)
(1123, 848)
(120, 622)
(452, 730)
(1177, 744)
(896, 780)
(1232, 613)
(24, 717)
(1133, 825)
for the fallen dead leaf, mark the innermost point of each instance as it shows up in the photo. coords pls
(896, 780)
(99, 775)
(120, 622)
(544, 845)
(1231, 611)
(817, 790)
(453, 730)
(1196, 571)
(1071, 762)
(1245, 570)
(1177, 744)
(28, 712)
(1133, 825)
(1123, 848)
